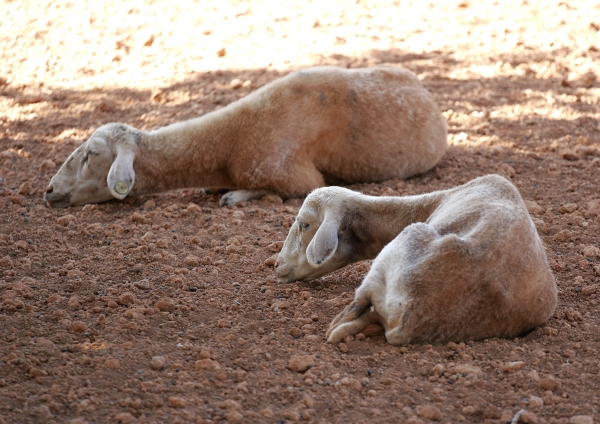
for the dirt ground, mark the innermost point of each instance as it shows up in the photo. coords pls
(162, 309)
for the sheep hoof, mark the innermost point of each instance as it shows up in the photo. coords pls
(228, 199)
(232, 197)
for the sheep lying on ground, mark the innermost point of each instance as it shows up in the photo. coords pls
(288, 137)
(464, 264)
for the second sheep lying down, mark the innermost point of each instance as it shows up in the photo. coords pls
(466, 263)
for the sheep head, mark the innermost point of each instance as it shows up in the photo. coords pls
(98, 170)
(316, 244)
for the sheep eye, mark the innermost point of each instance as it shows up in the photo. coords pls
(303, 225)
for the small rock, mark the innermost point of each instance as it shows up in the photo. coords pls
(468, 369)
(158, 363)
(177, 402)
(207, 364)
(142, 284)
(568, 154)
(591, 252)
(275, 247)
(77, 326)
(157, 95)
(112, 363)
(224, 323)
(221, 52)
(44, 412)
(569, 208)
(581, 419)
(236, 83)
(112, 304)
(149, 205)
(47, 164)
(300, 363)
(272, 198)
(573, 315)
(36, 372)
(230, 404)
(267, 412)
(588, 290)
(106, 106)
(54, 298)
(84, 360)
(295, 332)
(468, 410)
(533, 207)
(343, 347)
(233, 417)
(165, 304)
(528, 417)
(74, 302)
(563, 236)
(66, 219)
(453, 346)
(148, 236)
(533, 375)
(271, 261)
(429, 412)
(438, 370)
(78, 420)
(535, 401)
(6, 262)
(74, 274)
(25, 189)
(308, 401)
(541, 225)
(291, 415)
(138, 217)
(549, 382)
(125, 418)
(513, 366)
(506, 170)
(126, 298)
(192, 260)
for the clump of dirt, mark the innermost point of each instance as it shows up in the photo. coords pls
(165, 309)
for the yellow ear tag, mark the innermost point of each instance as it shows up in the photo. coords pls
(121, 187)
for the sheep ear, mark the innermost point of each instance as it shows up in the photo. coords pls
(121, 175)
(324, 243)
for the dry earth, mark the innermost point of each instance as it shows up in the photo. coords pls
(162, 309)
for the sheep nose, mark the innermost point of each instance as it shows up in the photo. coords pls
(283, 270)
(49, 189)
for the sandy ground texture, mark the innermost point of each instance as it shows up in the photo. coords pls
(164, 308)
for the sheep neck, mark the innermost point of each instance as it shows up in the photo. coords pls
(186, 154)
(379, 220)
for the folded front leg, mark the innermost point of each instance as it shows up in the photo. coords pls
(354, 318)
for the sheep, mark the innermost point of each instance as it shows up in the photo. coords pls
(288, 137)
(463, 264)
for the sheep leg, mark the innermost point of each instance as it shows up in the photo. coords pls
(355, 317)
(232, 197)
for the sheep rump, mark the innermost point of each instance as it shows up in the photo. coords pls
(288, 137)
